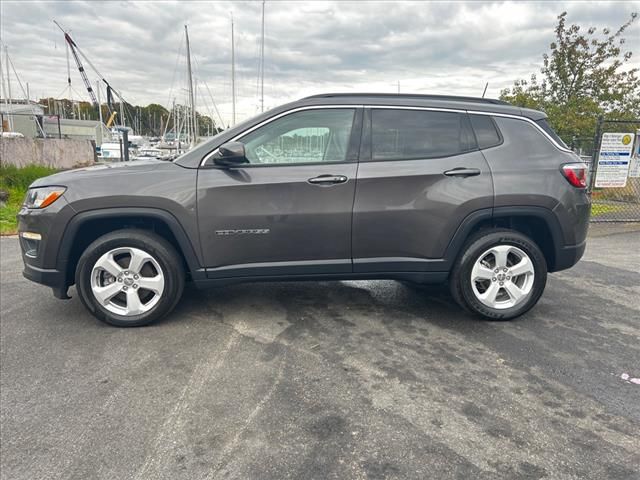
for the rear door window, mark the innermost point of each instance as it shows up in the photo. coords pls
(399, 134)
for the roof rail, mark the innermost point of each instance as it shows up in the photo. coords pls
(452, 98)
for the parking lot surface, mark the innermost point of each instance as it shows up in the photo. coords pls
(328, 380)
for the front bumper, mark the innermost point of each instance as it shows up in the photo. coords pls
(40, 257)
(50, 277)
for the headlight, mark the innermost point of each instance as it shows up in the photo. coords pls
(43, 196)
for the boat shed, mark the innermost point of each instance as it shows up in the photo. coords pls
(77, 129)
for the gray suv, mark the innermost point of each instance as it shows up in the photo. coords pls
(419, 188)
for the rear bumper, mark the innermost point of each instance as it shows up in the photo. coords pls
(568, 256)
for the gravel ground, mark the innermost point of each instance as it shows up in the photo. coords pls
(328, 380)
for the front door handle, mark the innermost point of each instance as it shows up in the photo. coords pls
(328, 179)
(462, 172)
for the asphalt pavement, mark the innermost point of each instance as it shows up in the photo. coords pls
(328, 380)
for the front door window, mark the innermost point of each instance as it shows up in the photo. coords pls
(310, 136)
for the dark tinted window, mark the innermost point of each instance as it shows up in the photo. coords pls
(486, 132)
(414, 134)
(547, 128)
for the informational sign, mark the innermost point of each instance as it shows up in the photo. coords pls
(613, 160)
(634, 167)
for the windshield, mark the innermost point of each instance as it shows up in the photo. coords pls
(206, 147)
(201, 147)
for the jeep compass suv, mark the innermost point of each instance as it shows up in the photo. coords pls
(420, 188)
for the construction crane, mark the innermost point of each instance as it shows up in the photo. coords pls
(74, 51)
(77, 53)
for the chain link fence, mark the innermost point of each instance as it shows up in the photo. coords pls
(610, 205)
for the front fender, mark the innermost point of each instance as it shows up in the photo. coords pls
(189, 250)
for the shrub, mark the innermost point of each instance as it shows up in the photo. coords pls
(15, 181)
(20, 178)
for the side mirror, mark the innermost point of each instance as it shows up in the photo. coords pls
(231, 154)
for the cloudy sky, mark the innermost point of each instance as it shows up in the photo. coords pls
(310, 47)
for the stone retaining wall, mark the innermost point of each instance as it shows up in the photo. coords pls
(51, 152)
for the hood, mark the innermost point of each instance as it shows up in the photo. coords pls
(102, 170)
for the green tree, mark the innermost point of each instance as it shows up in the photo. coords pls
(153, 120)
(583, 76)
(206, 125)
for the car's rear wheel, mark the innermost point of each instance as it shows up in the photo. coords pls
(500, 275)
(130, 278)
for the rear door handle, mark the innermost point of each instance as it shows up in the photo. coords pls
(462, 172)
(328, 179)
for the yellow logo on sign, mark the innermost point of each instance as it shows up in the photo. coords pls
(626, 140)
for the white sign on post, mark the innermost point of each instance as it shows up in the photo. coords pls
(613, 160)
(634, 168)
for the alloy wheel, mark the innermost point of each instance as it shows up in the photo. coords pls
(127, 281)
(502, 277)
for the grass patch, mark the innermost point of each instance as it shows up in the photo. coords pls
(602, 209)
(15, 182)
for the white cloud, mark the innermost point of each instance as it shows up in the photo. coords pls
(311, 47)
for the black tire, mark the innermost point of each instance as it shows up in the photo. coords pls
(160, 249)
(460, 279)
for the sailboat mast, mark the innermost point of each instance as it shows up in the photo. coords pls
(191, 123)
(262, 63)
(233, 76)
(196, 127)
(175, 117)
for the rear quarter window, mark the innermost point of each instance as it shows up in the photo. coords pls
(487, 133)
(544, 124)
(523, 141)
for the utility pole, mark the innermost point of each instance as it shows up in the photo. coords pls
(8, 92)
(233, 75)
(3, 91)
(99, 102)
(262, 63)
(398, 87)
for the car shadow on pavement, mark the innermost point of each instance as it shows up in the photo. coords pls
(393, 302)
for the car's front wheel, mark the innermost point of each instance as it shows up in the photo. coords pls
(130, 278)
(500, 275)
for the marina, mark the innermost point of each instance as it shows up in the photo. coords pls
(119, 130)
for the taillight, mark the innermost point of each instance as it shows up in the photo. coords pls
(576, 174)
